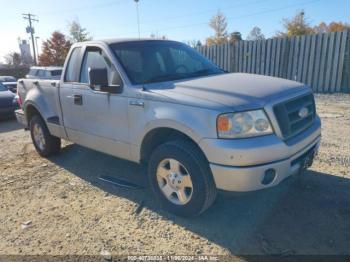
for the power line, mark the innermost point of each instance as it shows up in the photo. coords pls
(30, 29)
(242, 16)
(84, 8)
(245, 3)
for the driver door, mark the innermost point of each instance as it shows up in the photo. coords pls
(102, 122)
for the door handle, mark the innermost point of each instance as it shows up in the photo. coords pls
(78, 100)
(137, 103)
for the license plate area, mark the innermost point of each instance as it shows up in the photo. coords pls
(306, 159)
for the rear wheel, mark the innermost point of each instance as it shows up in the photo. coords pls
(181, 178)
(45, 144)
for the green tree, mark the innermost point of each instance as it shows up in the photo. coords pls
(77, 33)
(234, 37)
(219, 25)
(255, 34)
(296, 26)
(54, 50)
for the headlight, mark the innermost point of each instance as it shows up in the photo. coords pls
(243, 124)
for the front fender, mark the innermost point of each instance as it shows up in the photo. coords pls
(171, 123)
(196, 123)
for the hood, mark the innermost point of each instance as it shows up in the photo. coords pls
(236, 91)
(6, 99)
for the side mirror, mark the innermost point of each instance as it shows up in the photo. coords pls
(98, 78)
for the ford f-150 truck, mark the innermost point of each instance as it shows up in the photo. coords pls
(160, 103)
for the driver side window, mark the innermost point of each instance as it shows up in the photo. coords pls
(93, 59)
(96, 58)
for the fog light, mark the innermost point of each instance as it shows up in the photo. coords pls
(269, 176)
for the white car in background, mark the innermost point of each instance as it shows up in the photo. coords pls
(52, 72)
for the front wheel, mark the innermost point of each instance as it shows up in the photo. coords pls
(45, 144)
(180, 177)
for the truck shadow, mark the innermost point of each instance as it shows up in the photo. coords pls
(294, 218)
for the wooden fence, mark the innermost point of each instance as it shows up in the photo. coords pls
(321, 61)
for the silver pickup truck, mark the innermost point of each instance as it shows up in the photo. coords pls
(160, 103)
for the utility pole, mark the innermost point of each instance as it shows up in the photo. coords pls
(138, 17)
(36, 45)
(30, 29)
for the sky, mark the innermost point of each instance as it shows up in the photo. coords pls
(182, 20)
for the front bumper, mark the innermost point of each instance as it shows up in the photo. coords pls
(240, 165)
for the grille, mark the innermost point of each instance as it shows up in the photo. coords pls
(288, 117)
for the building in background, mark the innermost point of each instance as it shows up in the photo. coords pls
(26, 55)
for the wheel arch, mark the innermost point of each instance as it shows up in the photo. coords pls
(30, 110)
(160, 135)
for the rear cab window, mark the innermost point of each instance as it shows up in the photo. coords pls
(73, 66)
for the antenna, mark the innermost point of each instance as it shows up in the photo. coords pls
(138, 17)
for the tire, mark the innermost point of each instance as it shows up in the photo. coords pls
(48, 145)
(193, 163)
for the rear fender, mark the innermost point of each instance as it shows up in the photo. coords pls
(37, 100)
(34, 98)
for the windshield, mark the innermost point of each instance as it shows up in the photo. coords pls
(3, 88)
(158, 61)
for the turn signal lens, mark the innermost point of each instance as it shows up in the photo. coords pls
(223, 123)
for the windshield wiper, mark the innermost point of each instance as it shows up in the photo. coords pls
(205, 72)
(166, 77)
(176, 76)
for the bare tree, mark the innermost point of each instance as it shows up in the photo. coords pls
(194, 43)
(157, 36)
(13, 59)
(255, 34)
(77, 33)
(219, 25)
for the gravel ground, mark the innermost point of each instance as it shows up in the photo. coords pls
(59, 206)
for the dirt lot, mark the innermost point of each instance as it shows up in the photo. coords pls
(71, 211)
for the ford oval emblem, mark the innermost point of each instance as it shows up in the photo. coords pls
(303, 112)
